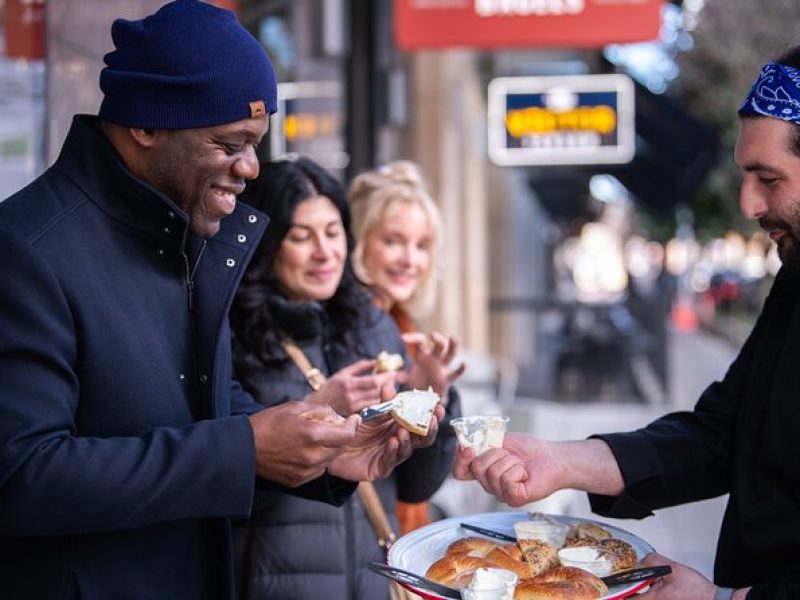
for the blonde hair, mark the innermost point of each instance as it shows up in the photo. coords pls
(370, 196)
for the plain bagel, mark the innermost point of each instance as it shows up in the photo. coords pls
(473, 546)
(573, 574)
(445, 570)
(531, 589)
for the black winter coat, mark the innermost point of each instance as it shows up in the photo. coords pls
(740, 439)
(295, 549)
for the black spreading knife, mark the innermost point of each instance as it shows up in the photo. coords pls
(410, 578)
(489, 533)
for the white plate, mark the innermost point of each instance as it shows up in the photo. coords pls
(418, 550)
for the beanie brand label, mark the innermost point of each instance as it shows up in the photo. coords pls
(257, 109)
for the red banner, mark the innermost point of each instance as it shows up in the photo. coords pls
(524, 23)
(24, 29)
(229, 4)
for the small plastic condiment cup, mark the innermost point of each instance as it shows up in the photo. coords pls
(496, 584)
(548, 531)
(587, 558)
(480, 432)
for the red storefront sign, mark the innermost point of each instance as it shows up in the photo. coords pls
(524, 23)
(24, 29)
(229, 4)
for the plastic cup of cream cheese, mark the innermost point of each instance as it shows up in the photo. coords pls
(551, 532)
(480, 432)
(487, 584)
(587, 558)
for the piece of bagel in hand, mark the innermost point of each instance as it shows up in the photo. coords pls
(386, 362)
(539, 554)
(620, 553)
(446, 569)
(415, 410)
(530, 589)
(573, 574)
(472, 546)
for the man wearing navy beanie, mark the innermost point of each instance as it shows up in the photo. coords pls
(125, 445)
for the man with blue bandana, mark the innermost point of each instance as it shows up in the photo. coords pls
(741, 437)
(125, 446)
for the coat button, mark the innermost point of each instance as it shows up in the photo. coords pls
(203, 378)
(160, 252)
(171, 214)
(242, 238)
(230, 262)
(252, 218)
(182, 377)
(166, 230)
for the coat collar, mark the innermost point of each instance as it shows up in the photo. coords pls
(94, 165)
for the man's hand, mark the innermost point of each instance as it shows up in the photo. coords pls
(527, 469)
(683, 582)
(296, 441)
(522, 471)
(355, 387)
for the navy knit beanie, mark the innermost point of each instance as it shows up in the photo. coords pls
(188, 65)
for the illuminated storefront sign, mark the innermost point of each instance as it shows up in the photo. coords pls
(569, 120)
(524, 23)
(309, 121)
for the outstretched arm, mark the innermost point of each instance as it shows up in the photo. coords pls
(527, 469)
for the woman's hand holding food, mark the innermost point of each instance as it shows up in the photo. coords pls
(355, 387)
(423, 441)
(432, 359)
(378, 447)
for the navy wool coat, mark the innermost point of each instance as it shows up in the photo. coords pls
(124, 445)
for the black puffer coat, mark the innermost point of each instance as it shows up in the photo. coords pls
(295, 549)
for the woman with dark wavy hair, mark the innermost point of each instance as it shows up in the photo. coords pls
(300, 287)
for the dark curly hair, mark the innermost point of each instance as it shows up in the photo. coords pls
(280, 187)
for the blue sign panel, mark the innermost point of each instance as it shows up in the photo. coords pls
(569, 120)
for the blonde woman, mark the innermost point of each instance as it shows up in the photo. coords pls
(398, 231)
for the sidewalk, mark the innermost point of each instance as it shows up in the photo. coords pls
(687, 533)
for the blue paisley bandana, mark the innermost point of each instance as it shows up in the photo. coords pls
(775, 93)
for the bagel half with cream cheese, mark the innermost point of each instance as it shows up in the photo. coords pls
(415, 410)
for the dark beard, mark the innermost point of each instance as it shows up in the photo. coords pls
(789, 252)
